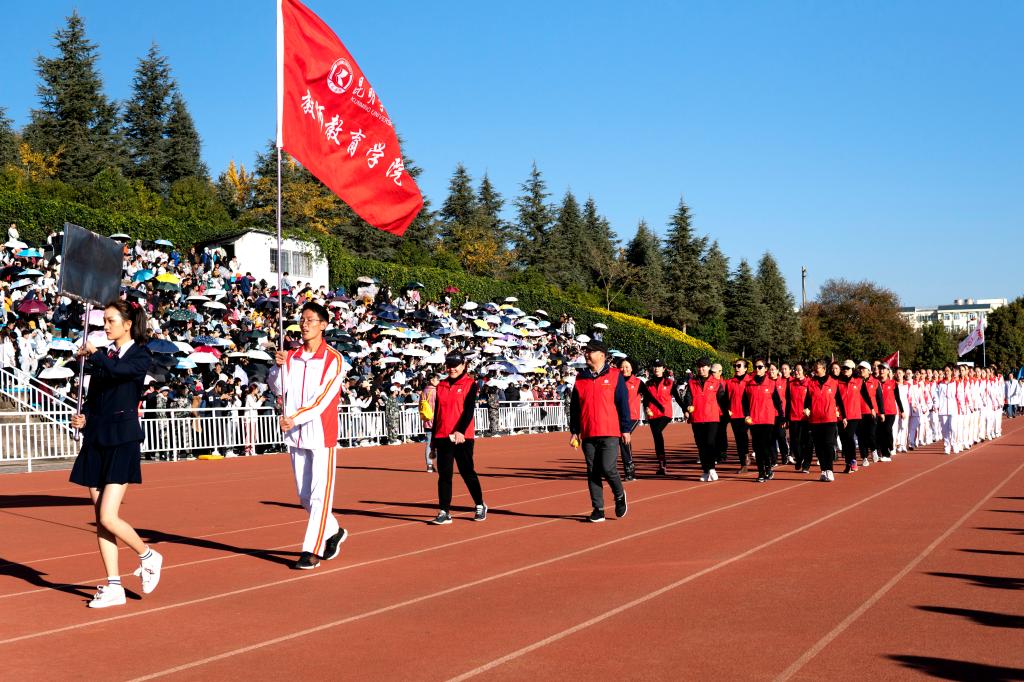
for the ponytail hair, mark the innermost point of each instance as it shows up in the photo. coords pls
(130, 311)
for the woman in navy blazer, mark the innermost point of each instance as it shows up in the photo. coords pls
(110, 457)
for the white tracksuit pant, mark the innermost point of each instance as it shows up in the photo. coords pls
(314, 481)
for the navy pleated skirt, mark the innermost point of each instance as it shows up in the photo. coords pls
(96, 465)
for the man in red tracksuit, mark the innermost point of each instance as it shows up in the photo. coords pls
(598, 418)
(453, 437)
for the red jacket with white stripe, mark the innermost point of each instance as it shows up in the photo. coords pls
(313, 382)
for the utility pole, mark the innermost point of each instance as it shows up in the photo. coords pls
(803, 287)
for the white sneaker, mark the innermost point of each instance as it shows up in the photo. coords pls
(867, 462)
(790, 460)
(885, 459)
(149, 571)
(108, 595)
(704, 478)
(713, 474)
(824, 476)
(874, 455)
(831, 476)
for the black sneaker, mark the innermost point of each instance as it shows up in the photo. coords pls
(443, 518)
(481, 513)
(333, 545)
(631, 473)
(307, 561)
(620, 505)
(596, 516)
(662, 471)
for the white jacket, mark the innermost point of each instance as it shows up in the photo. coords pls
(313, 383)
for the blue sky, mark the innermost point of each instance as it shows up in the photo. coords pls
(865, 140)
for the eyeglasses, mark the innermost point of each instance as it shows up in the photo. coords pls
(738, 365)
(758, 366)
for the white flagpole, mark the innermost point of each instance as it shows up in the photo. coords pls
(280, 117)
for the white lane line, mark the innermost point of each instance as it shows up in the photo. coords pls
(321, 573)
(464, 586)
(668, 588)
(799, 663)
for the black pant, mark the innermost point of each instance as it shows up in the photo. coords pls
(658, 425)
(739, 435)
(626, 452)
(447, 454)
(846, 437)
(800, 444)
(780, 448)
(884, 434)
(762, 435)
(824, 436)
(600, 455)
(866, 434)
(705, 434)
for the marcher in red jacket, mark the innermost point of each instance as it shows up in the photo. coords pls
(824, 408)
(705, 402)
(735, 386)
(659, 410)
(799, 435)
(762, 405)
(639, 397)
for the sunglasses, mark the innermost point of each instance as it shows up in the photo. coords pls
(738, 365)
(758, 366)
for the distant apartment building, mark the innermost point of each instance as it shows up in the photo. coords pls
(961, 316)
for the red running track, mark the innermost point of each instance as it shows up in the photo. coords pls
(903, 570)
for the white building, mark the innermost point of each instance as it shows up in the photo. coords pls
(961, 316)
(256, 251)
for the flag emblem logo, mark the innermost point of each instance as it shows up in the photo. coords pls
(340, 77)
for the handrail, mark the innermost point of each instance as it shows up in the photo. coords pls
(30, 393)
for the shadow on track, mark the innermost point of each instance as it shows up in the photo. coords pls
(34, 576)
(997, 552)
(28, 501)
(991, 581)
(273, 556)
(987, 618)
(950, 669)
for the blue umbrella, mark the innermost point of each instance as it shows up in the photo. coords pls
(185, 363)
(163, 242)
(389, 315)
(30, 253)
(143, 275)
(203, 341)
(443, 331)
(31, 272)
(162, 346)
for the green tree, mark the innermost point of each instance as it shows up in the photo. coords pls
(644, 252)
(863, 320)
(598, 232)
(459, 211)
(491, 203)
(183, 145)
(813, 343)
(235, 189)
(194, 201)
(566, 252)
(8, 140)
(783, 325)
(145, 119)
(709, 297)
(746, 317)
(1004, 336)
(75, 118)
(683, 251)
(534, 219)
(936, 348)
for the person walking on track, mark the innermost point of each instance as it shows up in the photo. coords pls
(762, 405)
(799, 436)
(823, 406)
(598, 418)
(639, 396)
(453, 438)
(659, 410)
(311, 377)
(740, 434)
(704, 404)
(110, 457)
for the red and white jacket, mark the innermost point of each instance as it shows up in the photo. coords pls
(313, 383)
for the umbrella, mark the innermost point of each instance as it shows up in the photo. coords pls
(415, 285)
(15, 244)
(469, 305)
(443, 331)
(181, 315)
(542, 313)
(511, 299)
(162, 346)
(31, 272)
(488, 335)
(203, 340)
(207, 349)
(505, 344)
(197, 297)
(135, 293)
(21, 283)
(163, 242)
(143, 275)
(30, 253)
(168, 277)
(57, 373)
(415, 352)
(215, 304)
(293, 328)
(33, 307)
(543, 324)
(480, 323)
(185, 363)
(337, 304)
(451, 290)
(259, 355)
(435, 359)
(254, 334)
(120, 236)
(201, 359)
(215, 292)
(391, 360)
(583, 338)
(168, 286)
(491, 349)
(64, 345)
(99, 339)
(183, 347)
(221, 342)
(367, 280)
(432, 342)
(600, 325)
(389, 315)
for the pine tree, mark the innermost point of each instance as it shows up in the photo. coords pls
(745, 314)
(75, 118)
(710, 297)
(145, 119)
(602, 246)
(534, 218)
(644, 252)
(565, 254)
(459, 211)
(683, 251)
(783, 324)
(8, 140)
(184, 147)
(491, 203)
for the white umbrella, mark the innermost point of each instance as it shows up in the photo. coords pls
(214, 293)
(260, 355)
(542, 313)
(435, 359)
(202, 358)
(99, 339)
(391, 360)
(215, 304)
(366, 280)
(237, 354)
(488, 335)
(57, 373)
(364, 327)
(15, 244)
(511, 299)
(415, 352)
(183, 347)
(469, 305)
(221, 342)
(505, 344)
(62, 345)
(432, 342)
(492, 319)
(338, 304)
(583, 338)
(24, 283)
(121, 235)
(491, 349)
(600, 325)
(197, 297)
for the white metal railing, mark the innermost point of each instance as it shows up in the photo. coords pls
(25, 437)
(30, 394)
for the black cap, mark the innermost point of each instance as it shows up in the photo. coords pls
(703, 362)
(658, 363)
(454, 359)
(596, 345)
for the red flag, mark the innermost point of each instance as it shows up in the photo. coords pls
(333, 122)
(893, 360)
